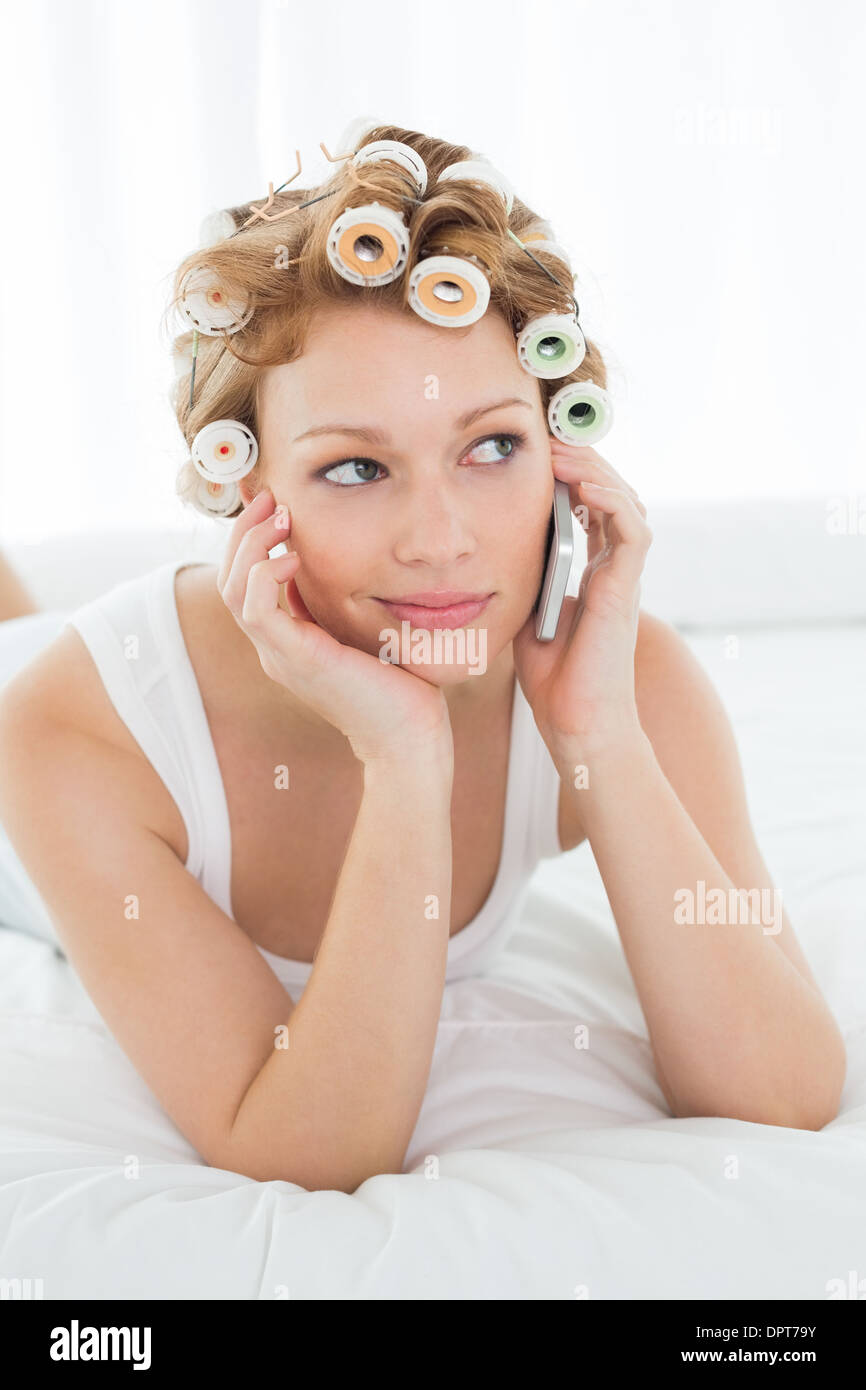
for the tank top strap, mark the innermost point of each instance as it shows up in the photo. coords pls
(541, 793)
(207, 796)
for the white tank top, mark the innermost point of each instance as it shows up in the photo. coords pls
(135, 638)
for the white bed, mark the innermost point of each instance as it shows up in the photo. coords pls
(537, 1170)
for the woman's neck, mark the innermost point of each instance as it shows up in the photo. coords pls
(484, 692)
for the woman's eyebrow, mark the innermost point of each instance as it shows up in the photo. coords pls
(377, 436)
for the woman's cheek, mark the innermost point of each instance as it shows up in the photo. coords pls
(530, 557)
(315, 594)
(325, 597)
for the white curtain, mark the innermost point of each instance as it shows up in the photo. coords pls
(702, 162)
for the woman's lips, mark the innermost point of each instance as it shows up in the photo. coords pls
(454, 615)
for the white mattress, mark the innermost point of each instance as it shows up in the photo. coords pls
(537, 1170)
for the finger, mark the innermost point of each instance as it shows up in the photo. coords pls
(271, 629)
(249, 517)
(596, 470)
(261, 600)
(629, 534)
(256, 544)
(581, 460)
(568, 615)
(297, 607)
(593, 523)
(285, 644)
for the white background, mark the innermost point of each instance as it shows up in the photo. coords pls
(701, 161)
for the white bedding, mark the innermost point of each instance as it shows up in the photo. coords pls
(537, 1169)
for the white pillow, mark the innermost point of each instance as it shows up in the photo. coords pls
(772, 561)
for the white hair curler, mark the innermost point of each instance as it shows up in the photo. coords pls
(451, 291)
(215, 227)
(357, 129)
(580, 413)
(368, 245)
(551, 345)
(545, 244)
(542, 231)
(224, 451)
(398, 153)
(480, 171)
(215, 499)
(207, 307)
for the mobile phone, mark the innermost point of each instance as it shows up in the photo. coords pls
(560, 552)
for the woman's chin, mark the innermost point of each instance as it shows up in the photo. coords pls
(443, 675)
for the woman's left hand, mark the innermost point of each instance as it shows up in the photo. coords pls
(581, 685)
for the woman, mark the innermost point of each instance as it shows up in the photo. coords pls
(221, 789)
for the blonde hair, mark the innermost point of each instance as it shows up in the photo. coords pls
(282, 270)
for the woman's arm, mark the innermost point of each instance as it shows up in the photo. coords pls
(737, 1023)
(187, 995)
(339, 1103)
(736, 1020)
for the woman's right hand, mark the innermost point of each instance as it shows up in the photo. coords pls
(384, 711)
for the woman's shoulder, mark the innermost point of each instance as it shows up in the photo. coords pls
(65, 682)
(58, 702)
(60, 685)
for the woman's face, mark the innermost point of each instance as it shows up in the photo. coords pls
(437, 501)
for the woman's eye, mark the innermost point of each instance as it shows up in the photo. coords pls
(345, 476)
(350, 473)
(511, 442)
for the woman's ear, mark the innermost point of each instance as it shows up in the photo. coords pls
(246, 492)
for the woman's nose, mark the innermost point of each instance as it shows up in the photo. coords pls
(433, 530)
